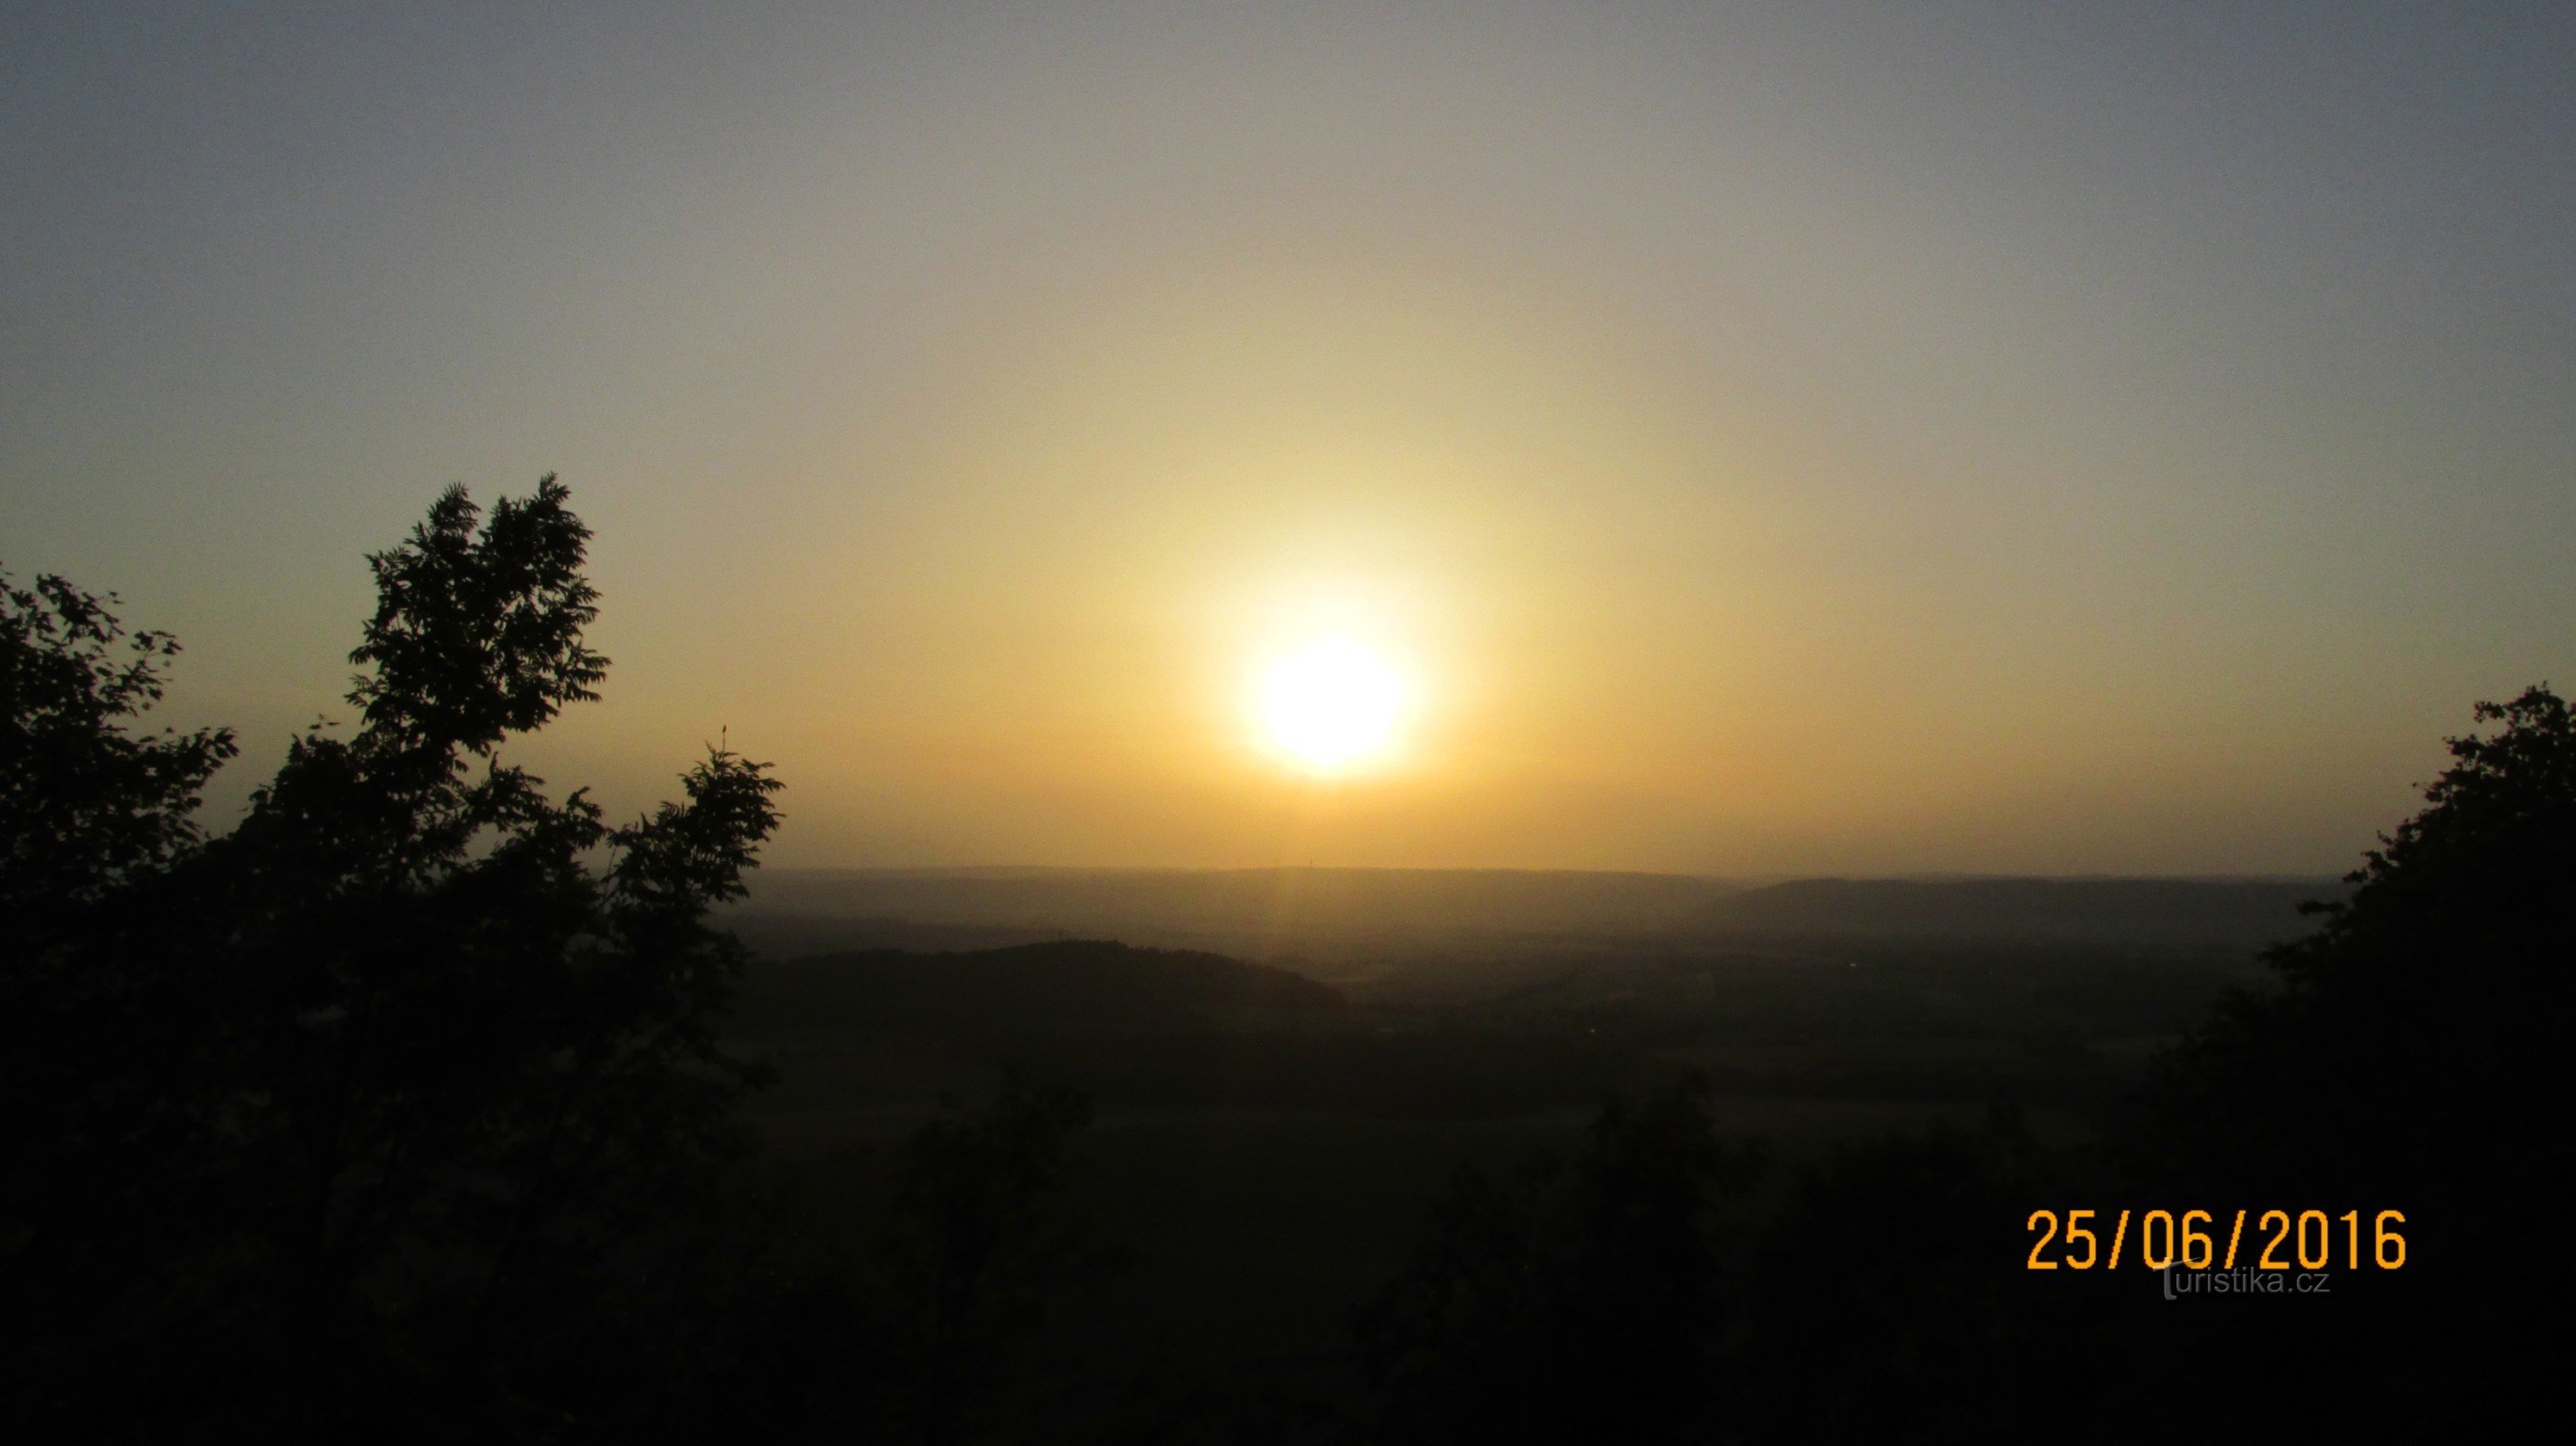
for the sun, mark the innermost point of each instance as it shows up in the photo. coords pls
(1331, 705)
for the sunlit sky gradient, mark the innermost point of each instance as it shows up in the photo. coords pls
(2047, 438)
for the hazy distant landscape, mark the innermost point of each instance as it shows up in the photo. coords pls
(1288, 1065)
(1382, 924)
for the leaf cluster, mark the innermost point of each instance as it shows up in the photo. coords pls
(84, 802)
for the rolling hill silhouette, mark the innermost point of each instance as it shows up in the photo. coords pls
(1168, 904)
(2222, 913)
(1065, 984)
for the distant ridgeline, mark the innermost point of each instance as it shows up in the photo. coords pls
(1074, 983)
(1275, 913)
(1235, 903)
(2245, 914)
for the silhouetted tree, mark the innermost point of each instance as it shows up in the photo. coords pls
(91, 1068)
(917, 1334)
(1577, 1300)
(2410, 1060)
(85, 805)
(1885, 1300)
(976, 1242)
(2410, 1049)
(430, 1122)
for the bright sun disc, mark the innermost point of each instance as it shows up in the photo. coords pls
(1331, 704)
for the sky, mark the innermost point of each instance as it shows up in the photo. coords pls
(1818, 438)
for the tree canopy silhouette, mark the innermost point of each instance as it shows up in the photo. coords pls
(2408, 1061)
(374, 1110)
(85, 804)
(1577, 1299)
(91, 815)
(2413, 1030)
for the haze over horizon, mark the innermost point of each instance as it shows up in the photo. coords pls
(1759, 441)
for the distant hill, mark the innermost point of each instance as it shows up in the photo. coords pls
(778, 934)
(1064, 984)
(1263, 912)
(2162, 912)
(1341, 924)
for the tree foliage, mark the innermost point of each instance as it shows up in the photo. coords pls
(2478, 875)
(2412, 1029)
(478, 634)
(1578, 1299)
(972, 1248)
(85, 804)
(374, 1109)
(2408, 1060)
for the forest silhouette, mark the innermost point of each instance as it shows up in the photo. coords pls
(410, 1109)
